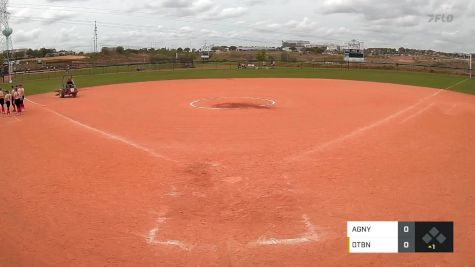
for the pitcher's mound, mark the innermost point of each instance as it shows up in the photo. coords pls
(234, 103)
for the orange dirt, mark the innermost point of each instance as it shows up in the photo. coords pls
(403, 59)
(132, 175)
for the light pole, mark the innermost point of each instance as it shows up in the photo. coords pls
(470, 65)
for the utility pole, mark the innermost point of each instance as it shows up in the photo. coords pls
(95, 37)
(154, 45)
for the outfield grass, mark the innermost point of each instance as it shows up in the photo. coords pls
(43, 85)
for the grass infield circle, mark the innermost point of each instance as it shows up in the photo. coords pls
(228, 102)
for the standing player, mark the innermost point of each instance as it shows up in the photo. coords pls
(21, 91)
(17, 101)
(2, 100)
(13, 99)
(8, 100)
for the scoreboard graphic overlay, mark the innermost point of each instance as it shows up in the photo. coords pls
(400, 237)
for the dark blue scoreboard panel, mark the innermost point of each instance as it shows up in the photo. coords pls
(400, 237)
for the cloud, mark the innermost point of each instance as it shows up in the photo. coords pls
(185, 30)
(231, 12)
(304, 25)
(23, 36)
(176, 3)
(67, 35)
(403, 21)
(201, 9)
(179, 8)
(47, 16)
(244, 22)
(64, 1)
(291, 26)
(253, 2)
(377, 10)
(210, 33)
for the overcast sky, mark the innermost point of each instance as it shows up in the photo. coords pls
(68, 24)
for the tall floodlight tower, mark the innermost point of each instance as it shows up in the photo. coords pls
(95, 37)
(6, 43)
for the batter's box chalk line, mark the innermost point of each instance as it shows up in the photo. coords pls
(173, 192)
(309, 236)
(152, 237)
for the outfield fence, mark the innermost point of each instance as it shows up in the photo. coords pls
(96, 69)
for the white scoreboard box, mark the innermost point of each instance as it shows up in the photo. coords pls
(372, 237)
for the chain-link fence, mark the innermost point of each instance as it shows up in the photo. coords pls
(93, 69)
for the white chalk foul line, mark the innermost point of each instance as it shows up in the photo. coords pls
(418, 113)
(356, 132)
(194, 104)
(106, 134)
(375, 124)
(452, 86)
(309, 236)
(451, 109)
(434, 94)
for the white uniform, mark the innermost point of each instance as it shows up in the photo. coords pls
(15, 95)
(21, 91)
(8, 102)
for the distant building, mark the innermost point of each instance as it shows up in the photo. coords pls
(107, 49)
(255, 48)
(333, 47)
(315, 46)
(18, 53)
(218, 49)
(299, 44)
(61, 53)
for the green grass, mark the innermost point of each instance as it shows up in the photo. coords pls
(42, 84)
